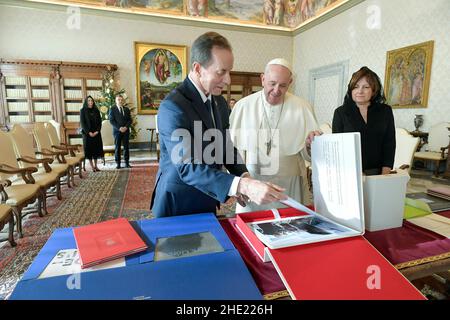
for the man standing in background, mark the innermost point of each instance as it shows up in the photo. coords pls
(120, 118)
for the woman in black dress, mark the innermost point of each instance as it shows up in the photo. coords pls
(91, 123)
(364, 111)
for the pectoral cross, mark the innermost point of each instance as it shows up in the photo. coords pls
(269, 146)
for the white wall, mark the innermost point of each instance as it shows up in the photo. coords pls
(402, 23)
(30, 33)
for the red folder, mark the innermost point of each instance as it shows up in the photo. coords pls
(349, 268)
(106, 241)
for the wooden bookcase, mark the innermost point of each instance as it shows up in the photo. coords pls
(242, 84)
(38, 91)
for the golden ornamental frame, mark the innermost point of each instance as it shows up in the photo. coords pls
(160, 68)
(407, 76)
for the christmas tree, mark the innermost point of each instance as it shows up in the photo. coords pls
(108, 99)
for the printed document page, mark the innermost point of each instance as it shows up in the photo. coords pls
(68, 262)
(337, 178)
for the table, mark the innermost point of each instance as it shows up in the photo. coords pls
(414, 251)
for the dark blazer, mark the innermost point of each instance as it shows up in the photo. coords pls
(377, 136)
(189, 183)
(118, 120)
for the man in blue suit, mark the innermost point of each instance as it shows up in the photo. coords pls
(194, 141)
(120, 118)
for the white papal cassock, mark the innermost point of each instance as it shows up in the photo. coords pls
(271, 139)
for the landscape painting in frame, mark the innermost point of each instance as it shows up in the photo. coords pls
(407, 77)
(159, 69)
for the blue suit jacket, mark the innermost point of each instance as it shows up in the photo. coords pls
(185, 182)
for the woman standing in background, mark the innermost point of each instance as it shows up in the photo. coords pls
(364, 111)
(91, 123)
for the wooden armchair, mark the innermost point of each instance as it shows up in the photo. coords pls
(438, 143)
(45, 149)
(74, 150)
(406, 145)
(7, 217)
(45, 176)
(24, 190)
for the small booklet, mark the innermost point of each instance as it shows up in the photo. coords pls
(105, 241)
(285, 232)
(67, 261)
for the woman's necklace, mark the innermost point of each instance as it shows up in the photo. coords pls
(271, 135)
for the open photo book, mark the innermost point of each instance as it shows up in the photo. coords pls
(338, 199)
(286, 232)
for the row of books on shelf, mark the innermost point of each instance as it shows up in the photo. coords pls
(18, 106)
(40, 93)
(44, 81)
(73, 94)
(16, 93)
(16, 81)
(26, 118)
(72, 82)
(42, 106)
(94, 94)
(73, 106)
(39, 81)
(72, 118)
(42, 118)
(19, 118)
(94, 83)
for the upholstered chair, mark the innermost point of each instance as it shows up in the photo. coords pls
(406, 145)
(7, 217)
(107, 138)
(19, 187)
(54, 132)
(45, 149)
(45, 176)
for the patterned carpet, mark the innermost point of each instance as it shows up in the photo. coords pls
(98, 196)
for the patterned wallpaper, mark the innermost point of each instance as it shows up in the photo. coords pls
(43, 34)
(363, 35)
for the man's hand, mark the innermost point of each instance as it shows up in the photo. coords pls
(260, 192)
(91, 134)
(310, 138)
(123, 129)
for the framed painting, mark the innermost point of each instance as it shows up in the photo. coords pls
(160, 68)
(407, 76)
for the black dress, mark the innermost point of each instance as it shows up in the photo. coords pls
(91, 121)
(377, 135)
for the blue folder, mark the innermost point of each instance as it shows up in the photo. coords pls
(215, 276)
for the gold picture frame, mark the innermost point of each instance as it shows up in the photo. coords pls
(160, 68)
(407, 76)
